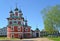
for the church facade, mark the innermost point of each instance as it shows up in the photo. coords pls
(17, 25)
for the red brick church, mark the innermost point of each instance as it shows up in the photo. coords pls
(17, 26)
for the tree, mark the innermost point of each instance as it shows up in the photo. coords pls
(51, 16)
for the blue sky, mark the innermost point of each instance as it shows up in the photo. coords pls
(31, 10)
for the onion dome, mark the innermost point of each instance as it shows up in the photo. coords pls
(25, 20)
(16, 9)
(11, 11)
(37, 29)
(20, 11)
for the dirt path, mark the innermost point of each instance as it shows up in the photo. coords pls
(32, 39)
(39, 39)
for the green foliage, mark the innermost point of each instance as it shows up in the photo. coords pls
(55, 38)
(5, 38)
(51, 16)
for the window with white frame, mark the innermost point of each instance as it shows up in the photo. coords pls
(10, 22)
(12, 28)
(18, 28)
(26, 29)
(15, 21)
(19, 22)
(1, 33)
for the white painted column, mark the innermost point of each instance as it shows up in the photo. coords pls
(35, 34)
(39, 33)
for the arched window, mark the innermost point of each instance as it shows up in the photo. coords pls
(19, 22)
(26, 29)
(11, 28)
(10, 22)
(15, 22)
(18, 28)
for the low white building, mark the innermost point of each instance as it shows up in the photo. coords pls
(3, 31)
(35, 33)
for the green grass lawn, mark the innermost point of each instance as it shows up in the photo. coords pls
(55, 38)
(5, 38)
